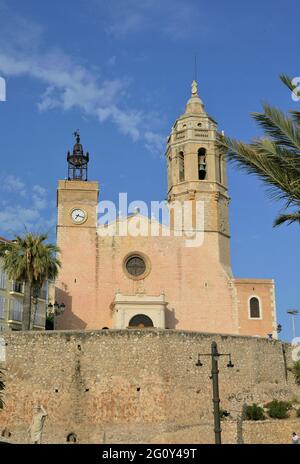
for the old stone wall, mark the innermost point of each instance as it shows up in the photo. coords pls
(135, 386)
(247, 432)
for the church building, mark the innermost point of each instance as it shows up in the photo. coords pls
(120, 281)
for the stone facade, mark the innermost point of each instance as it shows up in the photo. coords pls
(199, 290)
(118, 386)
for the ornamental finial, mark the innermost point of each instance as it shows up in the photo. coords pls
(194, 88)
(77, 136)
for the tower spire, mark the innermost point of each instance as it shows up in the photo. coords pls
(77, 161)
(195, 104)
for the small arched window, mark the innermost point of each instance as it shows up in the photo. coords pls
(201, 163)
(181, 166)
(72, 438)
(5, 433)
(254, 308)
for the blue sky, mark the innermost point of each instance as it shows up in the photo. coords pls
(120, 71)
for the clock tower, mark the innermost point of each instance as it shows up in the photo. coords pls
(77, 200)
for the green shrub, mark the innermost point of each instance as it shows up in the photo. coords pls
(278, 409)
(298, 412)
(254, 412)
(296, 371)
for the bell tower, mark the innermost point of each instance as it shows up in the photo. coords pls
(193, 160)
(197, 171)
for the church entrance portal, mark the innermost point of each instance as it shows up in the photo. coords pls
(140, 321)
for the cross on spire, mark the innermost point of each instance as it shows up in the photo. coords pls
(77, 136)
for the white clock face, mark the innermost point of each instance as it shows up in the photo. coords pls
(78, 216)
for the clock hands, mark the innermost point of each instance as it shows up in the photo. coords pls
(78, 215)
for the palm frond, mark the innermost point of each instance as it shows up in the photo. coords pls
(289, 218)
(296, 117)
(258, 159)
(279, 127)
(275, 158)
(290, 85)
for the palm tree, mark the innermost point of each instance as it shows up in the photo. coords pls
(30, 260)
(275, 158)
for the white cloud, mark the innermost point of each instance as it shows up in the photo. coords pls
(177, 19)
(69, 85)
(26, 211)
(129, 122)
(39, 198)
(16, 219)
(155, 142)
(13, 184)
(131, 22)
(39, 190)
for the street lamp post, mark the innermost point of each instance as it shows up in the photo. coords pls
(293, 313)
(214, 354)
(34, 300)
(56, 309)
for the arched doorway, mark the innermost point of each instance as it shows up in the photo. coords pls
(140, 321)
